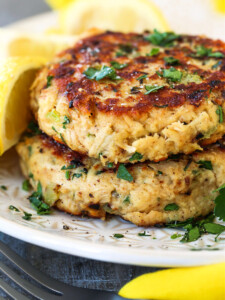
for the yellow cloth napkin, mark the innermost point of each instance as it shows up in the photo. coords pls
(194, 283)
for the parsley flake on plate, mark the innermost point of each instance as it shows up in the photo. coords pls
(11, 207)
(3, 187)
(118, 235)
(123, 173)
(143, 234)
(37, 203)
(27, 216)
(26, 185)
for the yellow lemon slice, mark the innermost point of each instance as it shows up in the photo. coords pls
(16, 77)
(117, 15)
(19, 44)
(57, 4)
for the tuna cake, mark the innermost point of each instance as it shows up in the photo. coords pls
(134, 97)
(143, 193)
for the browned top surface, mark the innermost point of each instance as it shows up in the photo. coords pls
(117, 96)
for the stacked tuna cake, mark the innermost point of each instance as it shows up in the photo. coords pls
(132, 124)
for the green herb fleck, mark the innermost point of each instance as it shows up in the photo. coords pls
(143, 234)
(11, 207)
(126, 200)
(205, 164)
(67, 175)
(110, 165)
(171, 60)
(70, 167)
(104, 72)
(66, 121)
(27, 216)
(77, 175)
(118, 235)
(142, 77)
(217, 65)
(164, 39)
(99, 172)
(3, 187)
(214, 228)
(26, 185)
(175, 236)
(49, 81)
(171, 206)
(219, 112)
(172, 74)
(202, 51)
(37, 203)
(219, 209)
(152, 88)
(117, 65)
(33, 127)
(124, 174)
(187, 165)
(192, 235)
(136, 156)
(153, 52)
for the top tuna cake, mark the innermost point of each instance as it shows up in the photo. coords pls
(134, 97)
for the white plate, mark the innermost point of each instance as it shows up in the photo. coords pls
(93, 238)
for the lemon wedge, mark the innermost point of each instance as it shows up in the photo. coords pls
(117, 15)
(58, 4)
(23, 44)
(16, 77)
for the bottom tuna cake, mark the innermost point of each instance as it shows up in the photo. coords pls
(143, 193)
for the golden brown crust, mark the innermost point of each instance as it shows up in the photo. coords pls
(70, 79)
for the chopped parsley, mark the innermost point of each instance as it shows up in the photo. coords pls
(123, 173)
(3, 187)
(143, 234)
(60, 134)
(126, 48)
(175, 236)
(202, 51)
(171, 60)
(142, 77)
(153, 52)
(126, 200)
(104, 72)
(205, 164)
(49, 81)
(187, 165)
(33, 127)
(67, 175)
(37, 203)
(70, 167)
(136, 156)
(99, 172)
(171, 207)
(172, 74)
(66, 121)
(164, 39)
(26, 185)
(152, 88)
(77, 175)
(214, 228)
(27, 216)
(11, 207)
(118, 235)
(219, 209)
(219, 112)
(110, 165)
(191, 235)
(117, 65)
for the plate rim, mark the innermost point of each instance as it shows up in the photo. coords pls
(113, 254)
(131, 256)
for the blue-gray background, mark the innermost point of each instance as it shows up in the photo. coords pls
(72, 270)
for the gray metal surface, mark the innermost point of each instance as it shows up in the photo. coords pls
(72, 270)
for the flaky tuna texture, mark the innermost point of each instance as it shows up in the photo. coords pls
(82, 186)
(157, 100)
